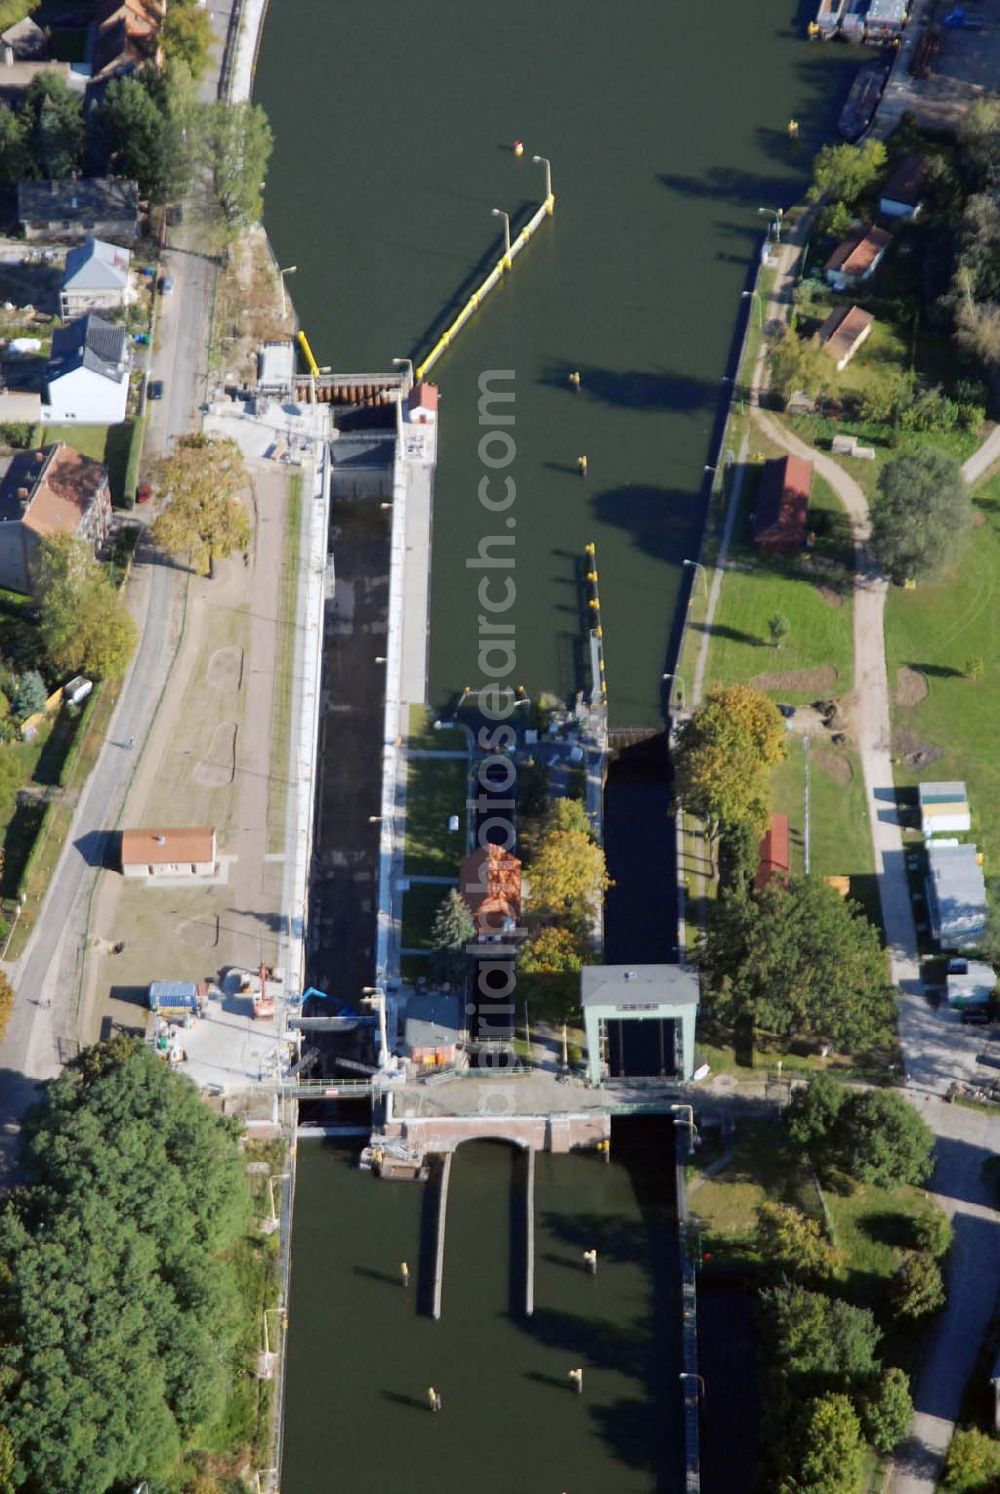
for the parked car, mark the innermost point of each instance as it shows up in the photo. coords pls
(155, 390)
(788, 711)
(167, 285)
(143, 493)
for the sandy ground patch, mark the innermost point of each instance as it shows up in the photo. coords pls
(834, 766)
(216, 768)
(830, 597)
(914, 751)
(821, 677)
(911, 687)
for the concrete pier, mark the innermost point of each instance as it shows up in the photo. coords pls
(442, 1217)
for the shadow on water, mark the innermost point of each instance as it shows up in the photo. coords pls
(633, 388)
(476, 274)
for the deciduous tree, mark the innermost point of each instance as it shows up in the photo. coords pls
(723, 755)
(819, 1343)
(203, 518)
(829, 1447)
(799, 365)
(85, 624)
(796, 958)
(187, 36)
(6, 1008)
(973, 1465)
(53, 123)
(917, 1285)
(887, 1410)
(568, 873)
(792, 1244)
(813, 1111)
(234, 147)
(845, 173)
(15, 158)
(920, 513)
(883, 1139)
(133, 135)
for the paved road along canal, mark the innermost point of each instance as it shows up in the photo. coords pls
(666, 127)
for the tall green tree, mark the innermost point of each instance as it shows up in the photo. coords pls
(723, 756)
(792, 1244)
(887, 1410)
(813, 1112)
(119, 1302)
(187, 36)
(133, 135)
(85, 624)
(15, 156)
(884, 1140)
(819, 1343)
(203, 518)
(796, 958)
(799, 365)
(920, 513)
(454, 926)
(54, 128)
(845, 173)
(829, 1451)
(917, 1285)
(233, 145)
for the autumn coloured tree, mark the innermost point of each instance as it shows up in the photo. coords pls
(792, 1244)
(203, 518)
(568, 872)
(724, 755)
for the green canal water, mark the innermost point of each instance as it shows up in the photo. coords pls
(362, 1353)
(666, 127)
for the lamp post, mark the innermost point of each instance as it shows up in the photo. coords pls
(499, 213)
(544, 161)
(776, 215)
(696, 566)
(271, 1223)
(288, 270)
(754, 296)
(689, 1121)
(406, 363)
(690, 1375)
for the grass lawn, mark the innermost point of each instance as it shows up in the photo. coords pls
(104, 443)
(763, 1167)
(435, 790)
(420, 903)
(935, 629)
(871, 1225)
(819, 431)
(839, 833)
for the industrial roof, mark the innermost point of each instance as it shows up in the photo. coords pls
(432, 1018)
(276, 365)
(638, 987)
(164, 847)
(886, 13)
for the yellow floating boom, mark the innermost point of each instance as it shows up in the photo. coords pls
(307, 353)
(504, 263)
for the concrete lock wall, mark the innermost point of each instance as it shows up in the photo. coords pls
(555, 1133)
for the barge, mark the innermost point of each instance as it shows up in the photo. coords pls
(862, 101)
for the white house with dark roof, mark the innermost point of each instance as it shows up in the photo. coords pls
(88, 373)
(96, 278)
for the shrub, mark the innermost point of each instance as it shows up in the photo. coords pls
(917, 1286)
(973, 1464)
(933, 1233)
(888, 1411)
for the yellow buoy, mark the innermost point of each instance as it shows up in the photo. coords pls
(518, 147)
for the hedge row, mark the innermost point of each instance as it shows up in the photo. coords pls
(134, 458)
(69, 761)
(33, 854)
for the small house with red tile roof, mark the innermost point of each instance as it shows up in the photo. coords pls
(490, 884)
(855, 261)
(153, 854)
(45, 493)
(422, 404)
(773, 856)
(843, 332)
(782, 504)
